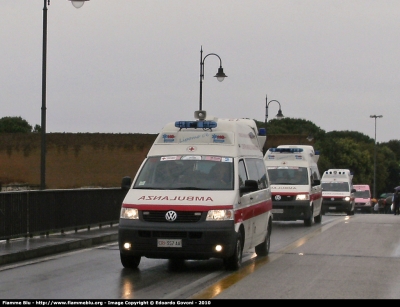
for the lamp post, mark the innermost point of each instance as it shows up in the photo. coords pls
(220, 74)
(278, 116)
(77, 4)
(375, 117)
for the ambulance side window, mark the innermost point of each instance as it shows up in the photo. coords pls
(315, 173)
(262, 172)
(242, 173)
(256, 171)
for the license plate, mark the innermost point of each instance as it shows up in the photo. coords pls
(332, 208)
(277, 210)
(169, 242)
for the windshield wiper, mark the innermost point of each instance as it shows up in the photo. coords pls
(190, 188)
(149, 188)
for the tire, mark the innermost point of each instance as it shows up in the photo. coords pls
(318, 218)
(308, 221)
(234, 262)
(130, 262)
(263, 248)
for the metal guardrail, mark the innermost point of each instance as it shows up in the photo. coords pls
(30, 213)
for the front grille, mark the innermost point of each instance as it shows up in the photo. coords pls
(284, 197)
(334, 199)
(170, 234)
(182, 216)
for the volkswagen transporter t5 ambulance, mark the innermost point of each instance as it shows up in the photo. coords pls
(202, 192)
(295, 183)
(338, 191)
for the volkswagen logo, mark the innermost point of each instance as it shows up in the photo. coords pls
(278, 197)
(171, 216)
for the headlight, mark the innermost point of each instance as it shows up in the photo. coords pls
(220, 215)
(303, 197)
(129, 213)
(347, 198)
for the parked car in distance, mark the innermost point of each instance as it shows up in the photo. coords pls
(384, 202)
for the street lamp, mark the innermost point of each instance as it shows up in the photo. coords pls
(278, 116)
(375, 117)
(220, 74)
(77, 4)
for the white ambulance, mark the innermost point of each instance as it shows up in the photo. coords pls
(338, 191)
(295, 183)
(202, 192)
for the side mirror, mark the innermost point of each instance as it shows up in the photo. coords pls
(316, 182)
(126, 183)
(353, 190)
(249, 186)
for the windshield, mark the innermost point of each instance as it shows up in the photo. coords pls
(186, 173)
(335, 186)
(288, 175)
(362, 194)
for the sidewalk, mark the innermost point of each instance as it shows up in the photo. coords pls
(28, 248)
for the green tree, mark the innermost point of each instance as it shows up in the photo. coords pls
(387, 170)
(351, 150)
(289, 125)
(394, 145)
(37, 129)
(14, 125)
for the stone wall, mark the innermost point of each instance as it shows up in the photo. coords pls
(72, 160)
(82, 159)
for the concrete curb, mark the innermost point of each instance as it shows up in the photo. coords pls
(67, 244)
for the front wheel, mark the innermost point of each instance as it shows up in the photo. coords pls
(130, 262)
(308, 221)
(318, 218)
(263, 248)
(234, 262)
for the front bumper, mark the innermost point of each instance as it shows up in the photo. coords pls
(198, 239)
(336, 206)
(291, 210)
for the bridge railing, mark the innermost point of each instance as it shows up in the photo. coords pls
(31, 213)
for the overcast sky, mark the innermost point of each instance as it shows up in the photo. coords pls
(131, 66)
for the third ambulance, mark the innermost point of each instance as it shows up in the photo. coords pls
(295, 183)
(338, 191)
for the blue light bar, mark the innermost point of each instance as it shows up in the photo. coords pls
(205, 124)
(288, 150)
(262, 132)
